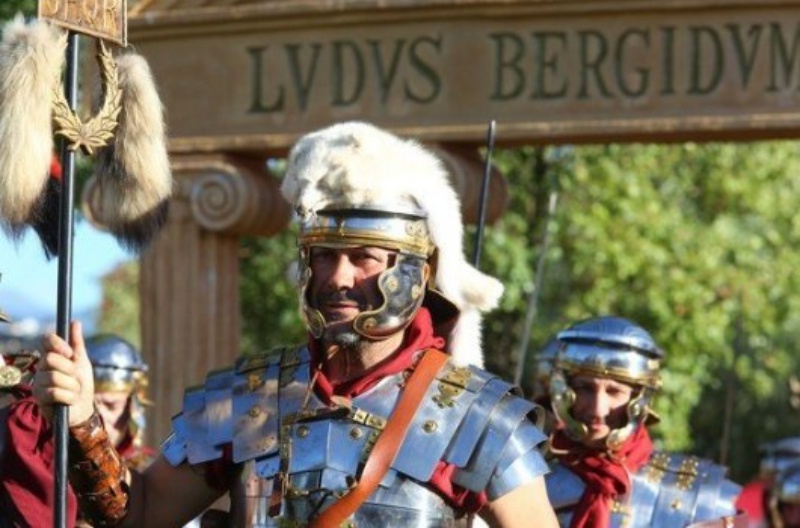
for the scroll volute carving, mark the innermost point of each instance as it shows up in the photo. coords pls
(466, 168)
(236, 196)
(231, 195)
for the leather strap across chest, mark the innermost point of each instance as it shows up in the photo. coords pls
(388, 443)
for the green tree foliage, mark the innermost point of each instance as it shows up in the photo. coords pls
(694, 242)
(9, 8)
(119, 312)
(270, 312)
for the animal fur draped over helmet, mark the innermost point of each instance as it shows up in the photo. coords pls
(357, 166)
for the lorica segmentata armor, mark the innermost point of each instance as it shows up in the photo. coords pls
(299, 455)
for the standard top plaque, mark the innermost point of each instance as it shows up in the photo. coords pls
(105, 19)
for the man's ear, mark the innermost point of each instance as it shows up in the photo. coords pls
(426, 274)
(432, 265)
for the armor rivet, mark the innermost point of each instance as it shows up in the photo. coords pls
(254, 411)
(253, 382)
(370, 323)
(302, 431)
(676, 504)
(416, 291)
(392, 284)
(356, 433)
(430, 426)
(9, 376)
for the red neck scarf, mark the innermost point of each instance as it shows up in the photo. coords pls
(604, 473)
(418, 336)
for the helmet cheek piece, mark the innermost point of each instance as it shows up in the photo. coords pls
(562, 398)
(638, 409)
(402, 288)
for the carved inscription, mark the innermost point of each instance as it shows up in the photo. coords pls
(632, 63)
(651, 73)
(637, 62)
(104, 19)
(402, 68)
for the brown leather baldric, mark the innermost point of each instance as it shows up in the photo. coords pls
(388, 443)
(97, 474)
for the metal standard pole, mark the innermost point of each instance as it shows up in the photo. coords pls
(533, 299)
(64, 300)
(487, 173)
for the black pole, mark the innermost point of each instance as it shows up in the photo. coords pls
(487, 173)
(64, 309)
(533, 299)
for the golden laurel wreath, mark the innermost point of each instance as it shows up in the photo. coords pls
(96, 132)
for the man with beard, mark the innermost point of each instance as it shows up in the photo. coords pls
(382, 418)
(605, 472)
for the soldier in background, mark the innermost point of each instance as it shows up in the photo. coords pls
(26, 446)
(120, 384)
(784, 498)
(776, 456)
(605, 472)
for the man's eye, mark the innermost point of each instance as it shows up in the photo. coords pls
(321, 255)
(365, 257)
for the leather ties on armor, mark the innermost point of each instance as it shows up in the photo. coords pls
(97, 473)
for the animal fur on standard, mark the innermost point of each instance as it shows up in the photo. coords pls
(356, 163)
(31, 61)
(133, 172)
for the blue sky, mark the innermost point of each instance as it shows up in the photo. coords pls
(29, 281)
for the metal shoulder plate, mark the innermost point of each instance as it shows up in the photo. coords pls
(473, 419)
(237, 406)
(677, 490)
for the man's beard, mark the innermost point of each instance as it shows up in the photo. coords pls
(345, 338)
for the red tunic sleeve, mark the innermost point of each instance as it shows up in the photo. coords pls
(26, 469)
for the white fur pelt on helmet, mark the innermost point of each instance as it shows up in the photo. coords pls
(358, 164)
(31, 61)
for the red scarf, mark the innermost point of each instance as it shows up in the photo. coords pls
(605, 474)
(419, 336)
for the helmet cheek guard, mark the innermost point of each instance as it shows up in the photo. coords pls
(638, 410)
(562, 398)
(402, 287)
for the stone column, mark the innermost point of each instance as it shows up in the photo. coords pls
(189, 287)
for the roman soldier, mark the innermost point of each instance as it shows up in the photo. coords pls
(784, 498)
(120, 386)
(382, 417)
(605, 471)
(775, 456)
